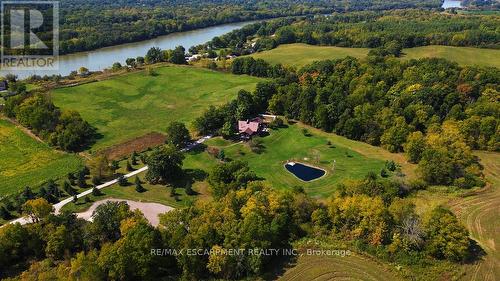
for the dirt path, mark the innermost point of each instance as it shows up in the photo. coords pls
(150, 210)
(24, 129)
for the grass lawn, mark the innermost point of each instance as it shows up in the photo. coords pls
(132, 105)
(291, 144)
(302, 54)
(27, 162)
(154, 193)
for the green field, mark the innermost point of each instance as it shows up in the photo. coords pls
(291, 144)
(132, 105)
(27, 162)
(302, 54)
(461, 55)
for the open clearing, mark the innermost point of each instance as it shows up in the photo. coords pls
(291, 144)
(461, 55)
(27, 162)
(133, 105)
(333, 267)
(301, 54)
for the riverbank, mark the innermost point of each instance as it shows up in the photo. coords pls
(100, 59)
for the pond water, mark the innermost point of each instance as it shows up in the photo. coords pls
(304, 172)
(451, 4)
(105, 57)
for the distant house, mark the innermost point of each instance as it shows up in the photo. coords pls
(194, 57)
(4, 86)
(250, 127)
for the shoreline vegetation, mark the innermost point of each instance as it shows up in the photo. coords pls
(92, 24)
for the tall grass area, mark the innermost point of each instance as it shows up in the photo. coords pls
(132, 105)
(27, 162)
(301, 54)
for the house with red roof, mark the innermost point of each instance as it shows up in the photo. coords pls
(248, 128)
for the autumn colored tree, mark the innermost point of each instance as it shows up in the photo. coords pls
(446, 238)
(414, 147)
(360, 217)
(37, 209)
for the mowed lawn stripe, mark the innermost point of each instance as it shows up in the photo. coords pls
(27, 162)
(135, 104)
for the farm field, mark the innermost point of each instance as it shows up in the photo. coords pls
(299, 54)
(302, 54)
(27, 162)
(132, 105)
(353, 267)
(461, 55)
(291, 144)
(480, 213)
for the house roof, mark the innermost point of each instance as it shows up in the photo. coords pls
(3, 85)
(249, 127)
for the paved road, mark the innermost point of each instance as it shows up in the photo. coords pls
(58, 206)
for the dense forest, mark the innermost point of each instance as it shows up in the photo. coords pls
(87, 25)
(400, 28)
(433, 110)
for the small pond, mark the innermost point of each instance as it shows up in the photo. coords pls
(304, 172)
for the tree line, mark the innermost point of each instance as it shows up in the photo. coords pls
(94, 24)
(435, 111)
(64, 129)
(367, 29)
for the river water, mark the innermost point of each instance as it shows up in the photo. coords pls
(452, 4)
(105, 57)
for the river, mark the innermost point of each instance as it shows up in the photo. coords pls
(452, 4)
(105, 57)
